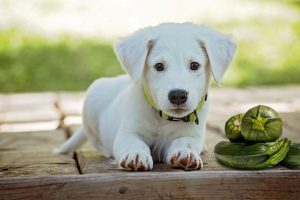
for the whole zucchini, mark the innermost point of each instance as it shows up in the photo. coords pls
(292, 158)
(261, 124)
(233, 128)
(251, 156)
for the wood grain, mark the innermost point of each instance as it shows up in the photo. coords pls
(28, 112)
(209, 161)
(71, 103)
(229, 101)
(42, 141)
(16, 164)
(46, 112)
(26, 100)
(29, 126)
(291, 127)
(29, 170)
(30, 154)
(156, 185)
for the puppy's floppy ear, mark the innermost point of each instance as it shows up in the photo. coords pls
(132, 52)
(220, 50)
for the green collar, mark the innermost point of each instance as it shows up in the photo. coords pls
(192, 117)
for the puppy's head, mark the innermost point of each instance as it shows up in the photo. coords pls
(175, 63)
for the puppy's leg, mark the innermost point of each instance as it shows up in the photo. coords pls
(184, 153)
(132, 153)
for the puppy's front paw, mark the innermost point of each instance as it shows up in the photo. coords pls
(185, 159)
(136, 161)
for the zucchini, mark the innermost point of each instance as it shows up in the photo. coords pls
(233, 128)
(292, 158)
(251, 156)
(261, 124)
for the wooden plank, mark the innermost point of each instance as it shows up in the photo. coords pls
(43, 141)
(29, 126)
(30, 154)
(229, 101)
(24, 100)
(72, 120)
(253, 94)
(291, 128)
(71, 103)
(155, 185)
(17, 111)
(216, 124)
(291, 120)
(16, 164)
(209, 161)
(91, 161)
(46, 112)
(278, 93)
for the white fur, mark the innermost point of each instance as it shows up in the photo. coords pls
(120, 122)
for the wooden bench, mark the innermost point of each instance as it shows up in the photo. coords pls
(32, 125)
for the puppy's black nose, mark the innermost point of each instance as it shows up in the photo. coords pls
(178, 96)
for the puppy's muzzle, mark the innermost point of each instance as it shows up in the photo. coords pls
(178, 96)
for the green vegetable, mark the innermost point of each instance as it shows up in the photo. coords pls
(233, 128)
(261, 124)
(251, 156)
(292, 158)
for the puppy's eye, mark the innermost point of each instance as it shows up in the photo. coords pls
(159, 67)
(194, 66)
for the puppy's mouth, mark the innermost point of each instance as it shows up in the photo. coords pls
(178, 112)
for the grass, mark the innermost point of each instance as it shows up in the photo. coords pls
(269, 62)
(268, 54)
(33, 63)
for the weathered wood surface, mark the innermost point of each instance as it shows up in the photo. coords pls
(30, 154)
(22, 101)
(29, 126)
(71, 103)
(28, 112)
(158, 185)
(29, 169)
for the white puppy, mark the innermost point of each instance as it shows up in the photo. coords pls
(157, 112)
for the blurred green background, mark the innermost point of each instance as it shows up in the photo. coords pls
(268, 52)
